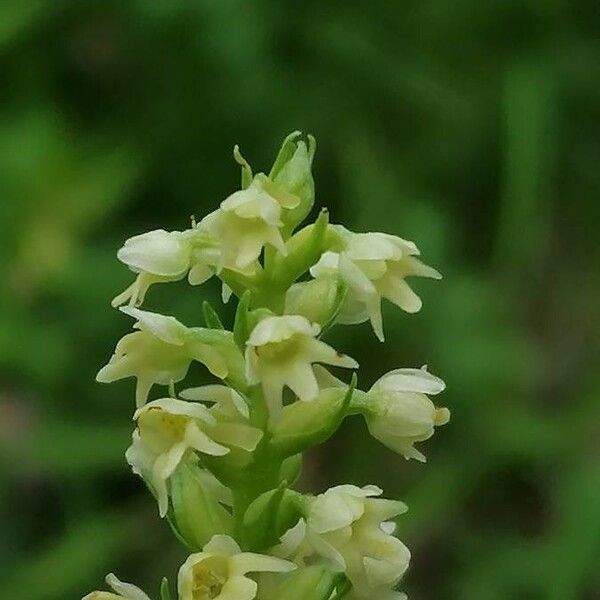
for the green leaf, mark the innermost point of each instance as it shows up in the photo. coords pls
(211, 318)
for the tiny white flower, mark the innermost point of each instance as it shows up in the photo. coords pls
(281, 351)
(166, 430)
(160, 353)
(219, 572)
(162, 256)
(248, 220)
(399, 413)
(123, 591)
(373, 266)
(349, 528)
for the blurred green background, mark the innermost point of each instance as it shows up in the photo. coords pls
(471, 127)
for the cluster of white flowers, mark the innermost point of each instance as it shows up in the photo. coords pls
(220, 458)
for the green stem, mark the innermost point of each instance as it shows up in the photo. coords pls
(264, 472)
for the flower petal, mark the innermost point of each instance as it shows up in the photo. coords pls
(291, 540)
(197, 439)
(158, 252)
(279, 328)
(323, 353)
(410, 380)
(238, 588)
(222, 544)
(239, 435)
(249, 562)
(166, 328)
(174, 406)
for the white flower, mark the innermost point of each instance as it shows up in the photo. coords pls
(350, 528)
(248, 220)
(161, 352)
(281, 351)
(166, 430)
(399, 413)
(123, 591)
(219, 572)
(373, 266)
(163, 256)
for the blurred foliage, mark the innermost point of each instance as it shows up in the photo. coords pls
(470, 127)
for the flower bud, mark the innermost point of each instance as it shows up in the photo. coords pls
(197, 511)
(317, 300)
(292, 173)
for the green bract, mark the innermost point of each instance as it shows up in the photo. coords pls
(221, 455)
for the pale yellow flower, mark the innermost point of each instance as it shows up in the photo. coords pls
(373, 266)
(220, 571)
(166, 430)
(281, 351)
(349, 528)
(162, 256)
(247, 221)
(162, 351)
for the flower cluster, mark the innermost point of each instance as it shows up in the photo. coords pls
(221, 457)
